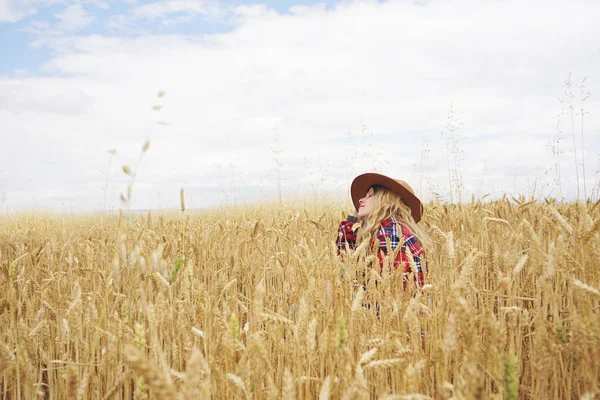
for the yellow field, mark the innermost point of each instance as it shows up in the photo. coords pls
(255, 303)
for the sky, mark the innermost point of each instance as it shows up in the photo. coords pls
(242, 101)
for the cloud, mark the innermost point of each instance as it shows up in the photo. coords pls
(14, 11)
(100, 4)
(42, 96)
(307, 99)
(69, 20)
(145, 18)
(165, 8)
(10, 14)
(41, 29)
(73, 18)
(6, 14)
(248, 11)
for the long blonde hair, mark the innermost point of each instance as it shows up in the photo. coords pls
(388, 204)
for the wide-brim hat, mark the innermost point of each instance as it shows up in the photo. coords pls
(361, 184)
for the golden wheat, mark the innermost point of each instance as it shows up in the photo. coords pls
(255, 303)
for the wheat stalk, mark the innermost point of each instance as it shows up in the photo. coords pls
(181, 200)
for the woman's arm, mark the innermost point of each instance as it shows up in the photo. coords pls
(346, 237)
(412, 248)
(392, 234)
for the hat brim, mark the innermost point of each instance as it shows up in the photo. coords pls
(361, 184)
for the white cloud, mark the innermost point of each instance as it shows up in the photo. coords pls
(14, 11)
(165, 8)
(117, 22)
(41, 29)
(69, 20)
(167, 13)
(73, 18)
(310, 77)
(6, 14)
(42, 96)
(9, 13)
(254, 11)
(101, 4)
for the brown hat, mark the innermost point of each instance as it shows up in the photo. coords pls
(362, 183)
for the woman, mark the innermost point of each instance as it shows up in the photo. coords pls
(388, 211)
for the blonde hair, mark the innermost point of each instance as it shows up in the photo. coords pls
(388, 204)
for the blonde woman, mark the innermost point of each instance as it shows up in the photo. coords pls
(386, 210)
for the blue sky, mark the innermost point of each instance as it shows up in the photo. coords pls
(293, 95)
(17, 39)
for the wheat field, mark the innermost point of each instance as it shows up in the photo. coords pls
(253, 302)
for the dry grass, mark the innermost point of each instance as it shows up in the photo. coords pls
(254, 303)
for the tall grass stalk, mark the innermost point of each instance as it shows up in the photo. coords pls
(569, 100)
(584, 94)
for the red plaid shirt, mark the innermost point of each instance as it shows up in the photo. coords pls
(396, 233)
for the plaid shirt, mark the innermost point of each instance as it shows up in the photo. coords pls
(395, 232)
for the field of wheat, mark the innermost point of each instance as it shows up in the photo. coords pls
(254, 303)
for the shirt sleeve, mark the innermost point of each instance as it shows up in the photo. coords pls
(414, 246)
(346, 236)
(395, 234)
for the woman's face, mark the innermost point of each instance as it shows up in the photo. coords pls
(365, 205)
